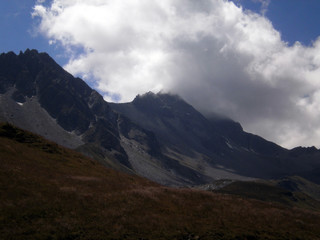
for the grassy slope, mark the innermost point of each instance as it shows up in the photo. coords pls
(269, 192)
(301, 185)
(49, 192)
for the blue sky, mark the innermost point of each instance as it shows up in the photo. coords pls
(297, 20)
(18, 29)
(239, 59)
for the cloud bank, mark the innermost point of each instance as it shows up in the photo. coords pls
(214, 54)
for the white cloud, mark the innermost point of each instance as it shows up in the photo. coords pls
(264, 6)
(211, 52)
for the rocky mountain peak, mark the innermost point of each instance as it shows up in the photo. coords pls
(159, 136)
(159, 98)
(164, 105)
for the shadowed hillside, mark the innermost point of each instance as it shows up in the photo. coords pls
(158, 136)
(215, 146)
(267, 191)
(50, 192)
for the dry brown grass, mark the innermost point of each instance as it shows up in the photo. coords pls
(49, 192)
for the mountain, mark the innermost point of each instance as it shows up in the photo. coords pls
(214, 146)
(158, 136)
(51, 192)
(40, 96)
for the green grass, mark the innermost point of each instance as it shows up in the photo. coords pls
(60, 194)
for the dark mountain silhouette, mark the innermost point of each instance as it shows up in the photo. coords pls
(33, 78)
(38, 95)
(158, 136)
(215, 146)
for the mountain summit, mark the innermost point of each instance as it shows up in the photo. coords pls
(158, 136)
(216, 147)
(40, 96)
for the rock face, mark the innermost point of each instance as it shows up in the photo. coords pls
(158, 136)
(60, 103)
(38, 95)
(214, 146)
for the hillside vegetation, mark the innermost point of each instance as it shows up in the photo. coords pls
(266, 191)
(50, 192)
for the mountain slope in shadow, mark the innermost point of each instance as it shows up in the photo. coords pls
(50, 192)
(38, 95)
(215, 146)
(158, 136)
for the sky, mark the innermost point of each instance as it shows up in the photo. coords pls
(254, 61)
